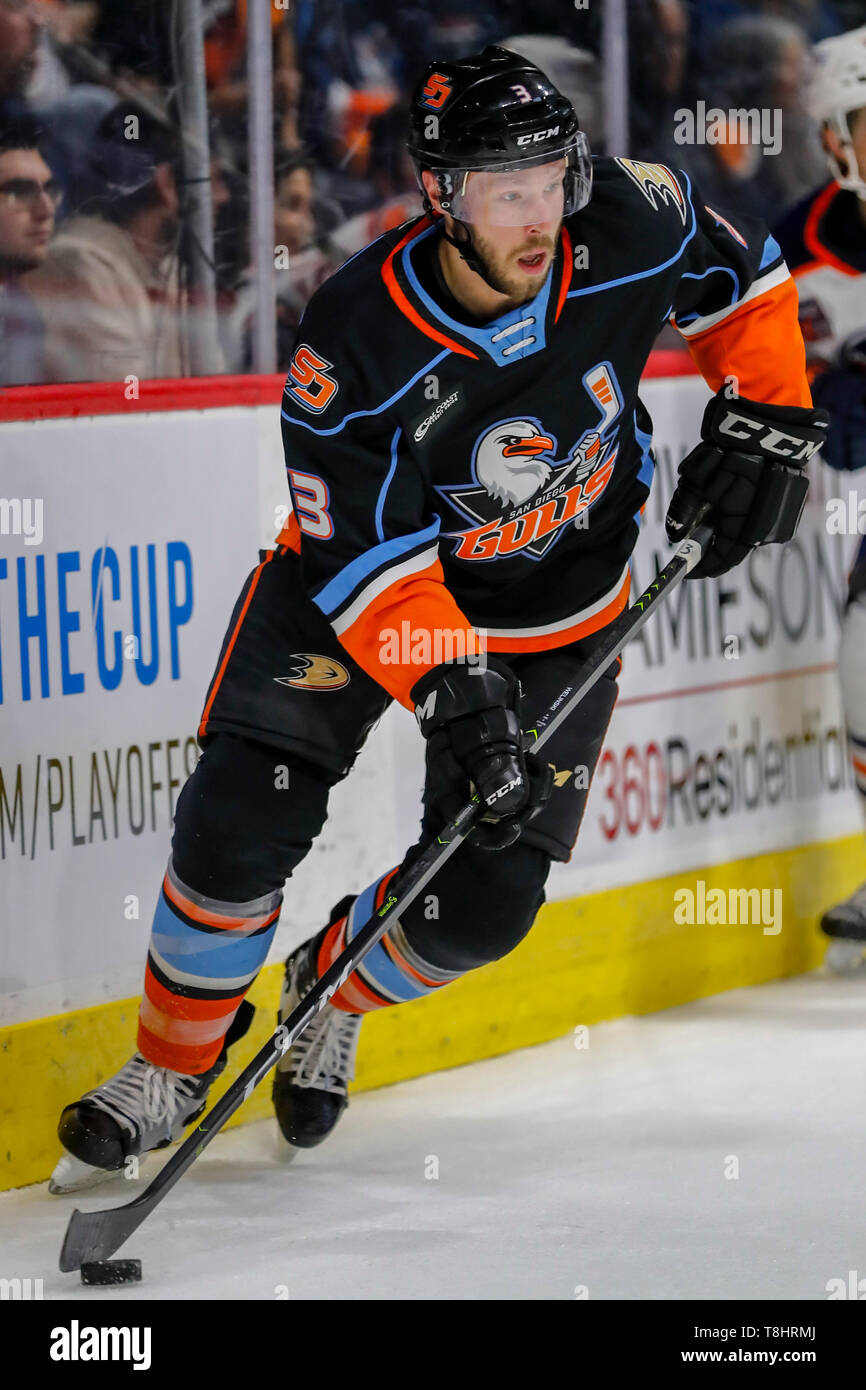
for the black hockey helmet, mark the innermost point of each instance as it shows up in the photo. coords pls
(494, 111)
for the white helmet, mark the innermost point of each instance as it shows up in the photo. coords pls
(838, 87)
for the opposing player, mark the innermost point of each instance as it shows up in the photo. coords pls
(824, 242)
(467, 457)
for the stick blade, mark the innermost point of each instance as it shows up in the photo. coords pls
(95, 1235)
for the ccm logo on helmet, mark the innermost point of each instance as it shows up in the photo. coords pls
(539, 135)
(771, 441)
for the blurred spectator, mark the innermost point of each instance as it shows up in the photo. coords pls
(134, 39)
(28, 200)
(817, 18)
(66, 25)
(658, 34)
(226, 69)
(19, 43)
(393, 177)
(301, 265)
(759, 64)
(110, 287)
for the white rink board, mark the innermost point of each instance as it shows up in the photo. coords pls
(200, 488)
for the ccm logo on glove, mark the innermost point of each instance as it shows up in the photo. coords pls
(766, 438)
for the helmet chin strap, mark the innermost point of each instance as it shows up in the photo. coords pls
(468, 253)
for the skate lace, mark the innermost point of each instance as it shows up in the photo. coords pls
(324, 1054)
(142, 1091)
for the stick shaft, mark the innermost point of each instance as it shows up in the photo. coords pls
(96, 1235)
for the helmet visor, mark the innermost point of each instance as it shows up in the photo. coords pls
(521, 192)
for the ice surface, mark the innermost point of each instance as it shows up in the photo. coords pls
(558, 1167)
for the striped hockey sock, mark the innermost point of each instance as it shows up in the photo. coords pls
(389, 974)
(203, 957)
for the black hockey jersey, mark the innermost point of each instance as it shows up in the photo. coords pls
(451, 477)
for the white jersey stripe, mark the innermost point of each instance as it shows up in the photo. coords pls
(757, 288)
(562, 624)
(412, 565)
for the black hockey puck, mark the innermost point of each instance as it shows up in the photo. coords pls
(111, 1272)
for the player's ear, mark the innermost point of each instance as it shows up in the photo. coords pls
(431, 188)
(831, 144)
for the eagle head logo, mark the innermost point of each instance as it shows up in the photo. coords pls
(509, 462)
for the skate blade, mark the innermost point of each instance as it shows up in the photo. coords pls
(286, 1152)
(72, 1175)
(846, 957)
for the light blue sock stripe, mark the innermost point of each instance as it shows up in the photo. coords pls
(377, 966)
(362, 909)
(380, 970)
(209, 955)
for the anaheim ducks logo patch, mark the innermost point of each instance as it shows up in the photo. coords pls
(311, 672)
(524, 497)
(656, 180)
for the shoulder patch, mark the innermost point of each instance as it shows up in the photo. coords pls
(653, 180)
(309, 382)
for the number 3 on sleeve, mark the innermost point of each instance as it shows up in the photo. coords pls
(310, 497)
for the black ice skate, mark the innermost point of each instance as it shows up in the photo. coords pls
(310, 1089)
(846, 924)
(142, 1107)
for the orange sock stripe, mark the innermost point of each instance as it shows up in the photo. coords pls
(333, 942)
(353, 997)
(186, 1006)
(383, 887)
(214, 919)
(191, 1061)
(185, 1032)
(402, 964)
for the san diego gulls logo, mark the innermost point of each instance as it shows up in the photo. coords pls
(311, 672)
(656, 180)
(523, 497)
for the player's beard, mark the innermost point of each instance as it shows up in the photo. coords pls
(503, 273)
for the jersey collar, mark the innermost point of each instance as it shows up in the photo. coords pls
(512, 337)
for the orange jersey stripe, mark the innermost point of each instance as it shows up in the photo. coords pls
(567, 268)
(547, 641)
(403, 304)
(761, 345)
(423, 601)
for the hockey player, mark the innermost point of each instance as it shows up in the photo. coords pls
(467, 458)
(824, 242)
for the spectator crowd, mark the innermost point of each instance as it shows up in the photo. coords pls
(94, 231)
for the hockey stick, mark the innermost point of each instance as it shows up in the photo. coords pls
(95, 1235)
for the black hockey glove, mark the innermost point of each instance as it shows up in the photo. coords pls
(751, 468)
(470, 717)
